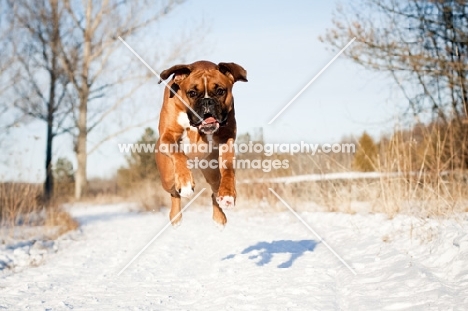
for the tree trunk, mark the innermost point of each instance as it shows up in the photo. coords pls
(49, 181)
(80, 148)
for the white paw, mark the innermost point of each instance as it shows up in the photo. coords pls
(176, 223)
(186, 191)
(225, 201)
(219, 226)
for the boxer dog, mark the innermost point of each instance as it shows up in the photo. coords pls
(198, 109)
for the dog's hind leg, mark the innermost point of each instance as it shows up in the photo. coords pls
(213, 177)
(218, 215)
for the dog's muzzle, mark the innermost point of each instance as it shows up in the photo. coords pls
(211, 113)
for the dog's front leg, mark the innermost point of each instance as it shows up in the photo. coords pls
(227, 189)
(183, 180)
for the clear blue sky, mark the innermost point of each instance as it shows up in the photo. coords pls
(277, 42)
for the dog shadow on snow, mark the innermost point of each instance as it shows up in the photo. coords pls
(264, 251)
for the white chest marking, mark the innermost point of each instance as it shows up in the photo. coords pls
(185, 142)
(183, 120)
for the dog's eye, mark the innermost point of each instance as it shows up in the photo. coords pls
(220, 92)
(191, 94)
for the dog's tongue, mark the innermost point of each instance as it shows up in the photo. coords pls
(209, 125)
(209, 120)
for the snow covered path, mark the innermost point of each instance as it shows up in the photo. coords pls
(261, 261)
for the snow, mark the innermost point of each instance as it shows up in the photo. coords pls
(28, 246)
(328, 176)
(260, 261)
(24, 254)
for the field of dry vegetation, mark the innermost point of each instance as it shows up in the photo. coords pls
(21, 204)
(419, 171)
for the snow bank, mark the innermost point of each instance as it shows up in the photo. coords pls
(29, 246)
(25, 253)
(323, 177)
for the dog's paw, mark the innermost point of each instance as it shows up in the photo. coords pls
(177, 224)
(176, 221)
(225, 201)
(186, 191)
(219, 218)
(219, 226)
(184, 185)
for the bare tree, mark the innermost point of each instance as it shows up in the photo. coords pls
(422, 44)
(7, 76)
(86, 57)
(41, 87)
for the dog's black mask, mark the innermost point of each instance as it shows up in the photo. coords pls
(211, 112)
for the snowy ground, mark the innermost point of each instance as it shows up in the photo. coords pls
(261, 261)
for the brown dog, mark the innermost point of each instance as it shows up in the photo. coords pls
(198, 109)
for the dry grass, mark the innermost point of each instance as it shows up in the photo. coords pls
(21, 205)
(60, 220)
(148, 194)
(428, 177)
(421, 182)
(436, 197)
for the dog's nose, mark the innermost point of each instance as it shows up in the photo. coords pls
(206, 102)
(207, 105)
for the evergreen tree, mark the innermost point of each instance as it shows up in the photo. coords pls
(64, 177)
(63, 171)
(140, 165)
(365, 159)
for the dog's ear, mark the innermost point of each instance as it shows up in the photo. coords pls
(180, 72)
(233, 71)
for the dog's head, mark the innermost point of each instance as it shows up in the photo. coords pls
(206, 88)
